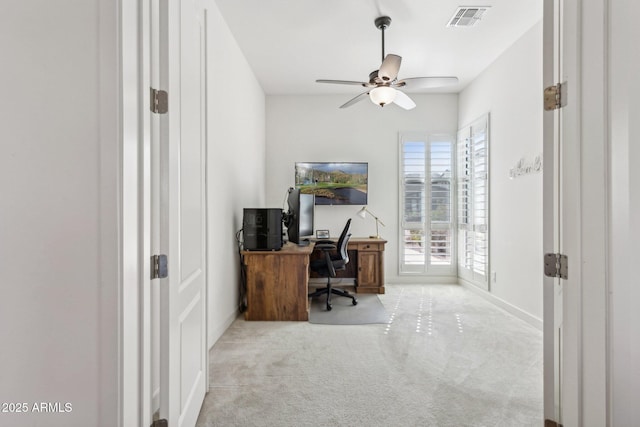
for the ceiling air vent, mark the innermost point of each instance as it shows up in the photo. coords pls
(467, 16)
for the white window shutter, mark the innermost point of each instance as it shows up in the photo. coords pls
(473, 202)
(426, 230)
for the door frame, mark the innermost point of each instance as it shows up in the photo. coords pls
(583, 219)
(133, 267)
(590, 361)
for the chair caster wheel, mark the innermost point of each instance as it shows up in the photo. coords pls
(354, 302)
(329, 307)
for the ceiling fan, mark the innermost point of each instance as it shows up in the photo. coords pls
(383, 85)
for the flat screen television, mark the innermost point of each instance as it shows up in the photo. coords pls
(299, 218)
(334, 183)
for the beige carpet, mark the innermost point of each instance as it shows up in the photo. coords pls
(446, 357)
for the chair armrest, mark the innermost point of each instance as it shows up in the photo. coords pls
(325, 242)
(325, 247)
(329, 261)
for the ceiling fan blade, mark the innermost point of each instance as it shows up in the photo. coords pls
(352, 101)
(343, 82)
(402, 100)
(390, 67)
(426, 82)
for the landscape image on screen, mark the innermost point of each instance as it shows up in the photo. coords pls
(338, 183)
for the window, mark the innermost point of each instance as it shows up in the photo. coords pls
(426, 169)
(473, 202)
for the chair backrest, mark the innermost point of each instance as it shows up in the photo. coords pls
(343, 240)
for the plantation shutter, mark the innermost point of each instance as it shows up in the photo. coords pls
(441, 167)
(426, 231)
(413, 205)
(473, 202)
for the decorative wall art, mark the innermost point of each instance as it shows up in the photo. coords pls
(525, 168)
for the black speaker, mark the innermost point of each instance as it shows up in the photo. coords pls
(262, 229)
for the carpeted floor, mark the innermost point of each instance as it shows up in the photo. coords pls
(446, 357)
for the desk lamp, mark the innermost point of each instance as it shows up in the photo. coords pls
(362, 213)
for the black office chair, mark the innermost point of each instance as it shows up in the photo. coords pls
(335, 258)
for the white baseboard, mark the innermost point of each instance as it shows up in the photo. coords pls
(510, 308)
(409, 279)
(216, 332)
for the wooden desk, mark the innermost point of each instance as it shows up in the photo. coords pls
(277, 283)
(366, 264)
(369, 263)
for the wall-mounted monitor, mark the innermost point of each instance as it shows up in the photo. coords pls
(334, 183)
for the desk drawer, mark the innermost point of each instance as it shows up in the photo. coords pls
(370, 246)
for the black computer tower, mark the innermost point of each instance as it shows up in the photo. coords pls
(262, 229)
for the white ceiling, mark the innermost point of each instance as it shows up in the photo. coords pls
(291, 43)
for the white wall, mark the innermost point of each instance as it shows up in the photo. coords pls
(59, 210)
(314, 129)
(624, 213)
(511, 91)
(236, 163)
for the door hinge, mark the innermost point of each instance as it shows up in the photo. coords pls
(159, 269)
(159, 101)
(160, 423)
(555, 96)
(555, 265)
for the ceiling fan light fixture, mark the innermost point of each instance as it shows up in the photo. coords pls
(382, 84)
(382, 95)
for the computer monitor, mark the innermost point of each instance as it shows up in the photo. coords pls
(299, 218)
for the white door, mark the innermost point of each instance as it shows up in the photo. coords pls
(574, 307)
(183, 346)
(552, 293)
(153, 50)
